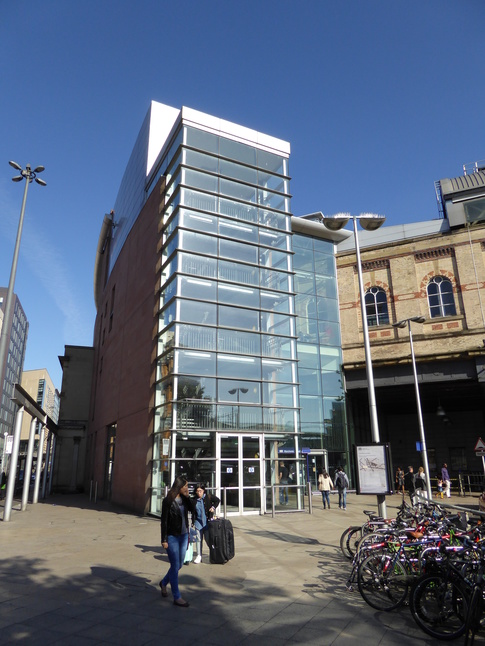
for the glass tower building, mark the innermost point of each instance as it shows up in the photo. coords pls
(248, 393)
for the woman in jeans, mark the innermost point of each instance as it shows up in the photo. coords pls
(175, 535)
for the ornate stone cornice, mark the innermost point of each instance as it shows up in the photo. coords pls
(432, 254)
(372, 265)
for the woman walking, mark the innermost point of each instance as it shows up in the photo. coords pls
(175, 535)
(324, 485)
(205, 506)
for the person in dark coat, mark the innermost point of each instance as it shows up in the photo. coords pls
(410, 483)
(205, 506)
(175, 535)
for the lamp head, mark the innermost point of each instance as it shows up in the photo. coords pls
(418, 319)
(40, 181)
(337, 221)
(17, 178)
(39, 169)
(371, 221)
(15, 165)
(399, 324)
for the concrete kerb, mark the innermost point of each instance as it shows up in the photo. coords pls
(77, 573)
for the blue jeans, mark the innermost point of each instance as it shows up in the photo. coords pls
(326, 499)
(177, 546)
(342, 498)
(283, 492)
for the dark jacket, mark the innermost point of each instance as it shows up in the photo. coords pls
(171, 520)
(410, 482)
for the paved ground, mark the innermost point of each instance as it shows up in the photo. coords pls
(77, 574)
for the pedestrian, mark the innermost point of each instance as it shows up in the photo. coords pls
(439, 486)
(325, 484)
(400, 480)
(341, 482)
(409, 483)
(175, 535)
(445, 476)
(205, 506)
(284, 473)
(420, 481)
(3, 484)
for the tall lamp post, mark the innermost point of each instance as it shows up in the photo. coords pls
(28, 174)
(422, 436)
(369, 222)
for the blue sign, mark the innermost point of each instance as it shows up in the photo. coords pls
(306, 450)
(419, 446)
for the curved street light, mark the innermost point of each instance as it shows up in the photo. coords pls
(369, 222)
(29, 175)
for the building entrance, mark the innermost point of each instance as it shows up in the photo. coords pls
(316, 461)
(240, 472)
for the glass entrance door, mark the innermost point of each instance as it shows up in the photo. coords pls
(317, 461)
(240, 460)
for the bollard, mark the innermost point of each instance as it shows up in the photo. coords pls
(310, 505)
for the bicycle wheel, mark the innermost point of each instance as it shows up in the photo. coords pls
(349, 541)
(474, 615)
(439, 607)
(383, 581)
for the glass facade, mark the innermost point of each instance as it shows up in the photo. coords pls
(248, 392)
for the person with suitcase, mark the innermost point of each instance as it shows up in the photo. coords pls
(175, 535)
(205, 506)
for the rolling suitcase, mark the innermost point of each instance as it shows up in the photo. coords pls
(221, 540)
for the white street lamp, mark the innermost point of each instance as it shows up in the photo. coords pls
(369, 222)
(28, 174)
(422, 436)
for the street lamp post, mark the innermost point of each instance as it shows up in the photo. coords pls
(422, 436)
(28, 174)
(369, 222)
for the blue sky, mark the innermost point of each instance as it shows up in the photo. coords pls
(378, 99)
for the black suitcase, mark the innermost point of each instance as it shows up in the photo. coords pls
(221, 540)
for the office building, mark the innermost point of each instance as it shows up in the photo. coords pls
(217, 342)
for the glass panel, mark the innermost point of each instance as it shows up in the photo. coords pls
(274, 370)
(238, 251)
(236, 171)
(244, 212)
(271, 279)
(196, 470)
(239, 342)
(323, 246)
(166, 340)
(251, 497)
(275, 220)
(274, 239)
(306, 330)
(238, 230)
(332, 383)
(198, 221)
(278, 347)
(239, 391)
(275, 323)
(242, 367)
(238, 273)
(204, 290)
(324, 265)
(238, 151)
(328, 333)
(196, 363)
(168, 315)
(191, 241)
(327, 309)
(238, 318)
(303, 259)
(198, 338)
(199, 160)
(273, 258)
(239, 418)
(309, 381)
(271, 162)
(275, 301)
(326, 286)
(196, 388)
(304, 283)
(229, 446)
(279, 394)
(250, 447)
(195, 415)
(200, 180)
(308, 356)
(202, 140)
(192, 445)
(244, 296)
(197, 312)
(273, 200)
(239, 191)
(200, 201)
(198, 266)
(278, 420)
(272, 182)
(311, 409)
(330, 358)
(305, 242)
(305, 306)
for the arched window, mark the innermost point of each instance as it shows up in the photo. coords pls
(440, 297)
(376, 306)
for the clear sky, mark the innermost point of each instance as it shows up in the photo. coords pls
(378, 99)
